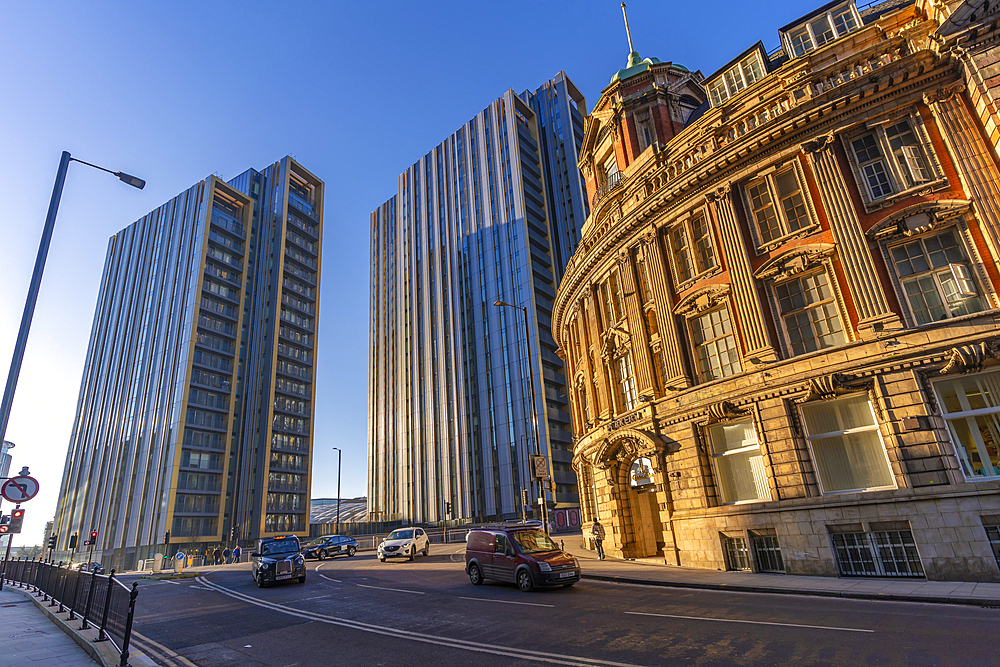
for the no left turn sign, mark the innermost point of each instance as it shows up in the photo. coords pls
(19, 489)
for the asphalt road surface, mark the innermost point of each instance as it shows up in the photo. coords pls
(357, 611)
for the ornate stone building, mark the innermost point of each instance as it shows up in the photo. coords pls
(780, 327)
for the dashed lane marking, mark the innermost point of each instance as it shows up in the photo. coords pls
(397, 590)
(737, 620)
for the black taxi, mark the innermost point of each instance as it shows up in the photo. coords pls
(277, 559)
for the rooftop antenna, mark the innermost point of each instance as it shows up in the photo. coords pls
(627, 31)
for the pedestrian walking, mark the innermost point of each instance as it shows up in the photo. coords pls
(226, 556)
(237, 552)
(217, 556)
(597, 530)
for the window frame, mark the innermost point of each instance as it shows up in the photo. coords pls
(709, 440)
(971, 414)
(735, 79)
(699, 371)
(897, 181)
(835, 298)
(789, 37)
(769, 177)
(875, 427)
(972, 264)
(698, 271)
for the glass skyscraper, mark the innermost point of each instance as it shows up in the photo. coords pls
(194, 421)
(492, 213)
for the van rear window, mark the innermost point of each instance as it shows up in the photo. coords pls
(480, 541)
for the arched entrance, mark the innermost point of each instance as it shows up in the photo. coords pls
(634, 498)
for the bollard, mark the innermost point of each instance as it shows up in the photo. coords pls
(102, 634)
(128, 623)
(90, 599)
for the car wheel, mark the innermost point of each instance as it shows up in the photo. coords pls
(524, 580)
(413, 552)
(260, 582)
(321, 554)
(381, 559)
(475, 575)
(302, 579)
(427, 548)
(351, 551)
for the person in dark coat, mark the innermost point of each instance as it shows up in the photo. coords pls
(217, 556)
(226, 553)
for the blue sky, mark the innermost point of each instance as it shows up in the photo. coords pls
(356, 92)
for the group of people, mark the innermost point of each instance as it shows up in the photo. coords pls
(226, 556)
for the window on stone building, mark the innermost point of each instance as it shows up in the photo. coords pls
(971, 408)
(715, 351)
(821, 29)
(935, 275)
(810, 315)
(846, 445)
(880, 553)
(610, 169)
(993, 535)
(890, 159)
(737, 553)
(737, 460)
(692, 247)
(741, 75)
(778, 204)
(645, 292)
(767, 552)
(626, 381)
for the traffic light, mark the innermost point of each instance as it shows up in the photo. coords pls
(447, 507)
(72, 541)
(525, 500)
(52, 541)
(92, 541)
(4, 524)
(166, 538)
(16, 519)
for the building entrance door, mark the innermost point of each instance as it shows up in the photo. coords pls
(646, 524)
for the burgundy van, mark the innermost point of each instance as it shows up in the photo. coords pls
(520, 554)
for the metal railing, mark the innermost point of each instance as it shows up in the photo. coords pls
(96, 599)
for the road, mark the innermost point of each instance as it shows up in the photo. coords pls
(356, 611)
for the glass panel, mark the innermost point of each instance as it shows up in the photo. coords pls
(682, 253)
(910, 259)
(827, 417)
(718, 92)
(735, 435)
(792, 203)
(763, 211)
(851, 461)
(752, 71)
(801, 42)
(701, 235)
(877, 180)
(843, 20)
(734, 81)
(822, 30)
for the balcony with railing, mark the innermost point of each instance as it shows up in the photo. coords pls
(607, 187)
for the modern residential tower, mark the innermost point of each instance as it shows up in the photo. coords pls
(194, 422)
(493, 213)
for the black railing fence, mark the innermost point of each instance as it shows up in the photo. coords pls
(98, 600)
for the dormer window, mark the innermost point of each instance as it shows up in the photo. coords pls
(610, 169)
(736, 78)
(821, 29)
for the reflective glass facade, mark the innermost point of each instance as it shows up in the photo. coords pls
(195, 409)
(492, 213)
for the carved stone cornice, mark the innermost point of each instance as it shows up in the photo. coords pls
(918, 219)
(970, 358)
(616, 344)
(725, 411)
(701, 300)
(795, 261)
(720, 193)
(944, 93)
(818, 144)
(836, 384)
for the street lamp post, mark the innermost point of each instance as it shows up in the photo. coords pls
(534, 407)
(36, 278)
(339, 452)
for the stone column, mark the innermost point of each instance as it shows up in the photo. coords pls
(749, 311)
(594, 350)
(642, 358)
(972, 157)
(852, 246)
(670, 341)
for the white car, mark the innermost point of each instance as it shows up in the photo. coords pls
(404, 543)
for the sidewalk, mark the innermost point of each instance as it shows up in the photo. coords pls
(30, 638)
(651, 573)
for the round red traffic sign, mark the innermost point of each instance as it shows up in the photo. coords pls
(19, 489)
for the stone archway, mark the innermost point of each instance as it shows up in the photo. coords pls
(634, 513)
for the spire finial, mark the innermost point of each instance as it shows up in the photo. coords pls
(627, 31)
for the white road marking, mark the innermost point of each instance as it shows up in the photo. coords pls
(318, 597)
(169, 652)
(474, 646)
(167, 581)
(736, 620)
(200, 588)
(398, 590)
(331, 579)
(529, 604)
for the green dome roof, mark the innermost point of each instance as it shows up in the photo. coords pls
(637, 65)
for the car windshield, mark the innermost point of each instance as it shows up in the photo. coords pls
(318, 541)
(285, 546)
(401, 535)
(533, 541)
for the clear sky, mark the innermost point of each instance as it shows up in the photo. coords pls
(356, 92)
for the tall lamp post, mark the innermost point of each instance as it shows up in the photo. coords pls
(339, 452)
(534, 407)
(36, 278)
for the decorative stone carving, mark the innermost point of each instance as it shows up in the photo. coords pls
(616, 343)
(836, 384)
(919, 219)
(725, 411)
(818, 144)
(720, 193)
(701, 300)
(970, 358)
(795, 261)
(944, 93)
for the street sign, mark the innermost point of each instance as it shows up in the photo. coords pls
(541, 467)
(19, 489)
